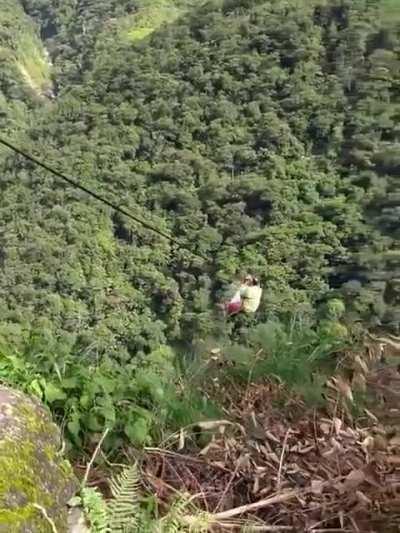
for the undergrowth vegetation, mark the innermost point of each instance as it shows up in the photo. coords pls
(127, 512)
(262, 135)
(295, 353)
(145, 399)
(136, 400)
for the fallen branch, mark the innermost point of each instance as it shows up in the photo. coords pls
(96, 451)
(253, 528)
(279, 498)
(330, 530)
(278, 482)
(46, 517)
(228, 486)
(269, 528)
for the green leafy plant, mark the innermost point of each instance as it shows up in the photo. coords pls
(95, 509)
(126, 512)
(183, 517)
(123, 509)
(121, 513)
(138, 401)
(295, 352)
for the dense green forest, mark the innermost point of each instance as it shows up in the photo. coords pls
(262, 134)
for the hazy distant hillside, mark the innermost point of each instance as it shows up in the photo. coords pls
(25, 69)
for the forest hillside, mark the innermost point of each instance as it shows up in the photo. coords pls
(262, 135)
(267, 144)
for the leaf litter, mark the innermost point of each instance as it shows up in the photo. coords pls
(289, 469)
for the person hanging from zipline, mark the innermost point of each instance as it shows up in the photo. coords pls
(247, 298)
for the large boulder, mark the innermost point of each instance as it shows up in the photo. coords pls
(36, 482)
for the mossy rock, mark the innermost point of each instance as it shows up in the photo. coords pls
(35, 481)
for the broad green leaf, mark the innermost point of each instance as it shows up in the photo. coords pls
(107, 384)
(74, 425)
(36, 388)
(84, 400)
(69, 383)
(52, 393)
(137, 431)
(93, 422)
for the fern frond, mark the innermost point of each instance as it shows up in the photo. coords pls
(123, 509)
(174, 518)
(95, 510)
(176, 521)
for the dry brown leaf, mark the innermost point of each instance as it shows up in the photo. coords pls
(360, 364)
(181, 444)
(306, 450)
(325, 428)
(368, 443)
(371, 415)
(359, 382)
(380, 443)
(210, 446)
(214, 424)
(274, 458)
(265, 449)
(371, 476)
(344, 388)
(243, 461)
(352, 481)
(329, 452)
(393, 459)
(337, 445)
(395, 441)
(219, 464)
(272, 437)
(318, 452)
(317, 486)
(338, 425)
(341, 519)
(362, 498)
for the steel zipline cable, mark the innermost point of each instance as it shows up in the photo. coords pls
(76, 185)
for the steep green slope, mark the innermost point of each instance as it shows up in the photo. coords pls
(150, 15)
(330, 75)
(370, 159)
(23, 57)
(262, 134)
(72, 31)
(24, 70)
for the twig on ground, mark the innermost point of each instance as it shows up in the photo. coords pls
(253, 528)
(46, 517)
(160, 451)
(160, 481)
(337, 530)
(270, 528)
(184, 458)
(228, 486)
(278, 481)
(278, 498)
(96, 451)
